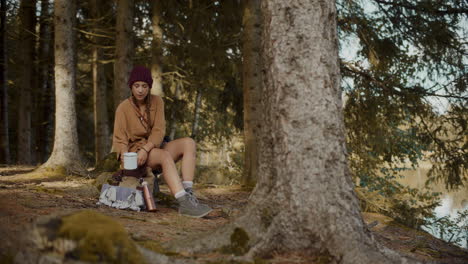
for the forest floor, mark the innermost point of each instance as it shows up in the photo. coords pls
(23, 200)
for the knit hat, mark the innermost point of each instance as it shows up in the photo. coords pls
(140, 73)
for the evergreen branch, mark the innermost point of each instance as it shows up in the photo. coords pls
(448, 11)
(411, 29)
(93, 34)
(445, 95)
(398, 27)
(353, 69)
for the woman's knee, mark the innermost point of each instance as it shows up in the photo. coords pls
(189, 144)
(159, 157)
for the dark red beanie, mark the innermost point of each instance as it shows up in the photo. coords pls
(140, 73)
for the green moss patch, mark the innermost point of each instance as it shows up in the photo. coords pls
(239, 243)
(166, 200)
(40, 175)
(103, 178)
(266, 217)
(156, 247)
(108, 164)
(99, 238)
(47, 190)
(6, 258)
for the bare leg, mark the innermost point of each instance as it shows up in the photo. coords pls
(184, 148)
(164, 158)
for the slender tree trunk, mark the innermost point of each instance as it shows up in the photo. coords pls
(123, 50)
(173, 127)
(27, 29)
(196, 116)
(156, 49)
(101, 120)
(4, 135)
(304, 199)
(44, 65)
(252, 86)
(65, 152)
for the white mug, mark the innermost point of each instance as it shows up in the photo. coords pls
(130, 160)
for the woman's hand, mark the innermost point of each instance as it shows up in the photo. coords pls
(142, 157)
(121, 158)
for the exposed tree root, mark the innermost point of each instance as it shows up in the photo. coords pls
(260, 240)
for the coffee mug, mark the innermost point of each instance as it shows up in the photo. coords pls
(130, 160)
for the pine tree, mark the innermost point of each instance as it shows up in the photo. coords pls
(304, 198)
(65, 153)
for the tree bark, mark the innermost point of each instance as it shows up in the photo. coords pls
(252, 85)
(101, 120)
(44, 69)
(173, 126)
(156, 49)
(196, 116)
(27, 29)
(50, 107)
(123, 50)
(4, 123)
(304, 199)
(65, 152)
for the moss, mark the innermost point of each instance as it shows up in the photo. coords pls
(166, 200)
(99, 238)
(247, 187)
(260, 261)
(46, 190)
(156, 247)
(324, 258)
(133, 218)
(6, 258)
(48, 173)
(102, 179)
(108, 164)
(57, 170)
(232, 261)
(239, 243)
(266, 217)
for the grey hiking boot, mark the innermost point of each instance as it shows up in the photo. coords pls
(189, 206)
(189, 190)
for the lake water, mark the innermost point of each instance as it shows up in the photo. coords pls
(451, 202)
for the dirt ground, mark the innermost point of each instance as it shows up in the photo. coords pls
(22, 201)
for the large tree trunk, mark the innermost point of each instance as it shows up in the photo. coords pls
(65, 152)
(123, 50)
(156, 49)
(252, 85)
(4, 135)
(304, 199)
(101, 120)
(27, 26)
(44, 94)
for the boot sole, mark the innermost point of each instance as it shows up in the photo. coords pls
(197, 216)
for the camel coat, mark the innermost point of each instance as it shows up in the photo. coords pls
(130, 130)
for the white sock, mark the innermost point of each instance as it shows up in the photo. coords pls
(180, 194)
(187, 184)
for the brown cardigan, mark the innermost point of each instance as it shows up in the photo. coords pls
(129, 132)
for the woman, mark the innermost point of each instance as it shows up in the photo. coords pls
(140, 127)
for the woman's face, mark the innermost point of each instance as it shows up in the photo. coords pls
(140, 90)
